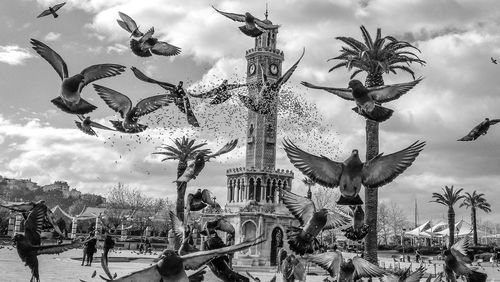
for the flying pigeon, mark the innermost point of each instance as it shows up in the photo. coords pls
(52, 11)
(480, 129)
(455, 260)
(220, 94)
(183, 239)
(29, 245)
(195, 166)
(359, 229)
(148, 45)
(177, 93)
(253, 27)
(26, 207)
(220, 224)
(406, 275)
(69, 100)
(303, 239)
(171, 267)
(346, 271)
(265, 102)
(293, 269)
(494, 61)
(350, 174)
(368, 100)
(130, 114)
(128, 24)
(86, 125)
(220, 265)
(200, 200)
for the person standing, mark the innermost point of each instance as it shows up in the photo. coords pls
(417, 255)
(91, 249)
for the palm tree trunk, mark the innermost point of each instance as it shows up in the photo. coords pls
(451, 226)
(181, 191)
(371, 195)
(474, 226)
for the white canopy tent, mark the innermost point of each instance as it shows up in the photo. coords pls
(419, 231)
(462, 228)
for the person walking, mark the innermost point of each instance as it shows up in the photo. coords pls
(91, 249)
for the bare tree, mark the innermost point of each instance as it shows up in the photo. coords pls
(383, 223)
(324, 197)
(124, 197)
(397, 218)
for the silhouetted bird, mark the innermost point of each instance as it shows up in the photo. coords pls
(69, 100)
(128, 24)
(480, 129)
(52, 11)
(29, 245)
(303, 239)
(494, 61)
(368, 100)
(359, 229)
(455, 260)
(253, 27)
(350, 174)
(148, 45)
(130, 114)
(200, 200)
(265, 102)
(86, 125)
(177, 93)
(171, 267)
(406, 275)
(196, 166)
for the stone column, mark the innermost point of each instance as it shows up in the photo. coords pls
(74, 223)
(17, 224)
(123, 235)
(97, 227)
(12, 223)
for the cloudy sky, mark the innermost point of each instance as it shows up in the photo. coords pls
(456, 37)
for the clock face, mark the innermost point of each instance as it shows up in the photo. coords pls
(273, 69)
(252, 69)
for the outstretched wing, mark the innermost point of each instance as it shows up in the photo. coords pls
(233, 16)
(100, 126)
(96, 72)
(320, 169)
(225, 149)
(459, 249)
(494, 121)
(416, 275)
(363, 268)
(164, 49)
(386, 93)
(329, 261)
(196, 260)
(177, 228)
(383, 169)
(129, 24)
(52, 57)
(343, 93)
(301, 207)
(140, 75)
(284, 78)
(151, 104)
(33, 224)
(58, 6)
(149, 273)
(114, 99)
(44, 13)
(337, 218)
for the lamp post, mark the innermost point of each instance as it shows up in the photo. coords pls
(403, 242)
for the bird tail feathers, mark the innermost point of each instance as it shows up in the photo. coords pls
(476, 276)
(298, 243)
(82, 108)
(350, 201)
(378, 114)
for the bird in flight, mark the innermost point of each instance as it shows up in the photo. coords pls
(253, 26)
(480, 129)
(86, 125)
(494, 61)
(52, 11)
(128, 24)
(148, 45)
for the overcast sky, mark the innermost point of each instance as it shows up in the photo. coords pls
(457, 39)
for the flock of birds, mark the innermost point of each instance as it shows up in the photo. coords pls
(348, 175)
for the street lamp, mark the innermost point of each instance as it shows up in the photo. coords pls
(403, 242)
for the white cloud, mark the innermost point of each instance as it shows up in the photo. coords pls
(14, 55)
(52, 36)
(117, 48)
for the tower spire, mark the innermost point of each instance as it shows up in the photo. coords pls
(267, 12)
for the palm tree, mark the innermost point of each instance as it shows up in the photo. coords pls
(385, 54)
(448, 198)
(183, 150)
(309, 183)
(474, 202)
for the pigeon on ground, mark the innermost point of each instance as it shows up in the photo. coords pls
(171, 267)
(196, 166)
(303, 239)
(405, 276)
(253, 27)
(219, 94)
(25, 207)
(148, 45)
(350, 174)
(200, 200)
(293, 269)
(183, 239)
(29, 245)
(265, 102)
(455, 260)
(177, 93)
(480, 129)
(86, 125)
(494, 61)
(130, 115)
(359, 229)
(52, 11)
(368, 100)
(94, 274)
(70, 100)
(128, 24)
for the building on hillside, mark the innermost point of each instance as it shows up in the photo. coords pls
(73, 193)
(20, 183)
(253, 200)
(58, 185)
